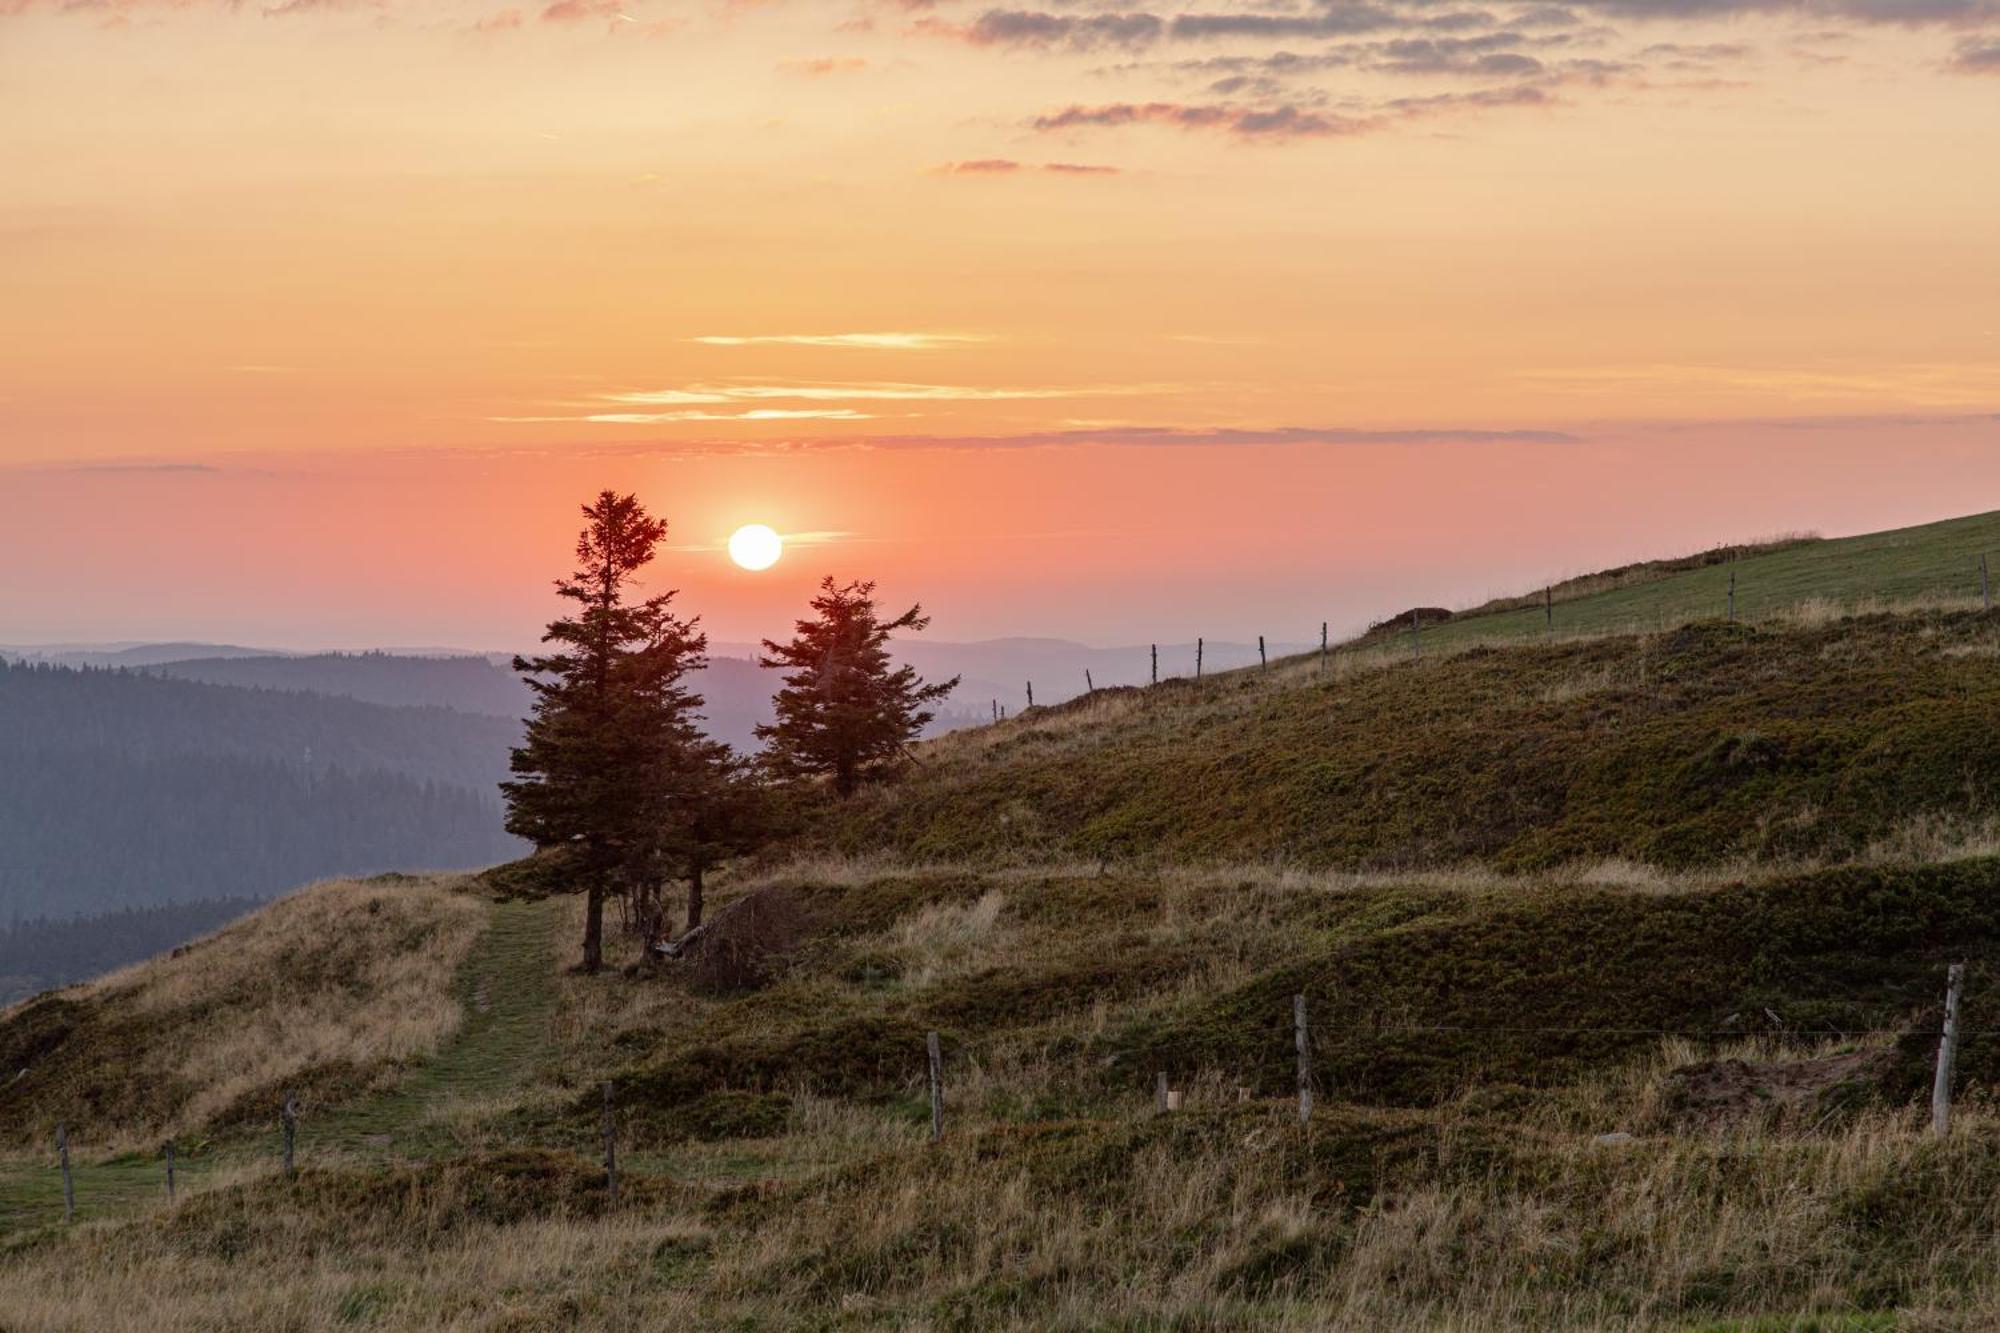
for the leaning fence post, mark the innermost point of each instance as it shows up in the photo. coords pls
(1300, 1039)
(936, 1058)
(69, 1188)
(170, 1171)
(290, 1117)
(1947, 1052)
(1263, 663)
(610, 1145)
(1089, 685)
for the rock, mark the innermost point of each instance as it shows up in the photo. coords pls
(1613, 1139)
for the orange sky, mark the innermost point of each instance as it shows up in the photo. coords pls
(318, 319)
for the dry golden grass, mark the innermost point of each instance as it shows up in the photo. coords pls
(1468, 1215)
(342, 975)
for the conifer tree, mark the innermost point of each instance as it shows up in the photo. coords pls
(844, 711)
(614, 747)
(732, 813)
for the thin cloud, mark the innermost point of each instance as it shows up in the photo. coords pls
(1007, 166)
(1282, 121)
(1977, 56)
(816, 537)
(876, 391)
(658, 418)
(1135, 437)
(983, 166)
(1184, 437)
(819, 67)
(1925, 384)
(896, 342)
(168, 468)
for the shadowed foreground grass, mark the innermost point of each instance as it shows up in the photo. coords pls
(777, 1173)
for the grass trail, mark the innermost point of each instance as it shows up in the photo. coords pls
(508, 988)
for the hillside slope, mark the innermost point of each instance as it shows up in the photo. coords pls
(1473, 1039)
(1621, 959)
(1694, 747)
(1936, 563)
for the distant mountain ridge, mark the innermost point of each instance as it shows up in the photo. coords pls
(737, 692)
(124, 788)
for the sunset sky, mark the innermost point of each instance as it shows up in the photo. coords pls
(1120, 322)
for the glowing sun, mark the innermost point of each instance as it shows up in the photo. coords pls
(755, 546)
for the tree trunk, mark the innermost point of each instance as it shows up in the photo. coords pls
(694, 895)
(593, 926)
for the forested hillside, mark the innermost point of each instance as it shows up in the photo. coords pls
(145, 716)
(736, 693)
(466, 683)
(120, 789)
(39, 953)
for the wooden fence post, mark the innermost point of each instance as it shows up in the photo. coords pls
(1947, 1052)
(1156, 664)
(996, 710)
(290, 1117)
(1322, 647)
(170, 1172)
(1263, 663)
(1089, 685)
(610, 1145)
(1160, 1090)
(936, 1058)
(1031, 694)
(69, 1187)
(1300, 1039)
(1197, 658)
(1732, 595)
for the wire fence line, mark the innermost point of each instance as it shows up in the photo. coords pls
(1949, 1034)
(1391, 629)
(1299, 1029)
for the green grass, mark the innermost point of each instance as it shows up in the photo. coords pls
(31, 1192)
(1700, 746)
(1934, 562)
(508, 989)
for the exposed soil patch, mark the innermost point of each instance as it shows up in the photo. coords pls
(1727, 1092)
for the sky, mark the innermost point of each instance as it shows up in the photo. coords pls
(1115, 321)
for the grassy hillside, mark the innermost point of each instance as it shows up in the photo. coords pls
(1623, 960)
(1937, 563)
(1698, 746)
(1474, 1039)
(327, 993)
